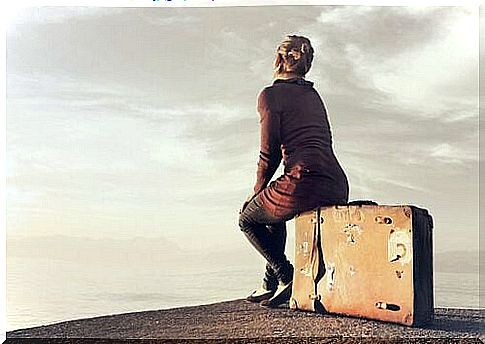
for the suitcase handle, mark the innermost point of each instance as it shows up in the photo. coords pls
(362, 202)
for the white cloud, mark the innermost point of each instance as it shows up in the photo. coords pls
(343, 15)
(417, 79)
(165, 19)
(444, 152)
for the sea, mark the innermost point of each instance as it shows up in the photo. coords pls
(45, 291)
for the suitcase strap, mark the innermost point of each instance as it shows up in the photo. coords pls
(315, 259)
(314, 253)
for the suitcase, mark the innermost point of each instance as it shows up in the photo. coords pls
(365, 260)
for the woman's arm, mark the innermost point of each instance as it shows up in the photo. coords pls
(270, 151)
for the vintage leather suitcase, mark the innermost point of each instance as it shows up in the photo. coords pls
(365, 260)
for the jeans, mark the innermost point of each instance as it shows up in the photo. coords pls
(267, 233)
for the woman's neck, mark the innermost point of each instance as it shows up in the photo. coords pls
(288, 76)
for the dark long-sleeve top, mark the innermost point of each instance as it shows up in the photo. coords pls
(295, 129)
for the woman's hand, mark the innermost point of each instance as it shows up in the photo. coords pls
(248, 199)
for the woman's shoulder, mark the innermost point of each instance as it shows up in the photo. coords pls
(273, 91)
(267, 91)
(267, 94)
(267, 98)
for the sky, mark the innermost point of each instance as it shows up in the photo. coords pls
(142, 122)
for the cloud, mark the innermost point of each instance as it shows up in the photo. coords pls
(387, 57)
(385, 32)
(98, 149)
(190, 137)
(168, 17)
(444, 152)
(43, 15)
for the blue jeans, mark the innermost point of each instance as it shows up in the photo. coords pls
(267, 233)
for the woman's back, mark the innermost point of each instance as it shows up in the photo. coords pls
(304, 127)
(312, 174)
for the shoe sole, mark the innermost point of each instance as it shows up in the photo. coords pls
(260, 298)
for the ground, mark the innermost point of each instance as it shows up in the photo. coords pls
(242, 322)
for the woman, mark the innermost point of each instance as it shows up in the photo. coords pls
(294, 129)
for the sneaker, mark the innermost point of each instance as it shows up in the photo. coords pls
(260, 294)
(282, 295)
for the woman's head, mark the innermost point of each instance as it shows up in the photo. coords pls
(294, 56)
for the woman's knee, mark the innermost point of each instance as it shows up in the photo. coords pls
(244, 223)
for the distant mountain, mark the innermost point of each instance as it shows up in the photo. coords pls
(153, 251)
(90, 250)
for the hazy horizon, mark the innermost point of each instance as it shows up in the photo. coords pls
(159, 250)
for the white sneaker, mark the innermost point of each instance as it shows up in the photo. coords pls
(260, 294)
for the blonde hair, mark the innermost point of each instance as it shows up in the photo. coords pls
(293, 55)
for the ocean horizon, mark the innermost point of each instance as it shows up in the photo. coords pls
(42, 291)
